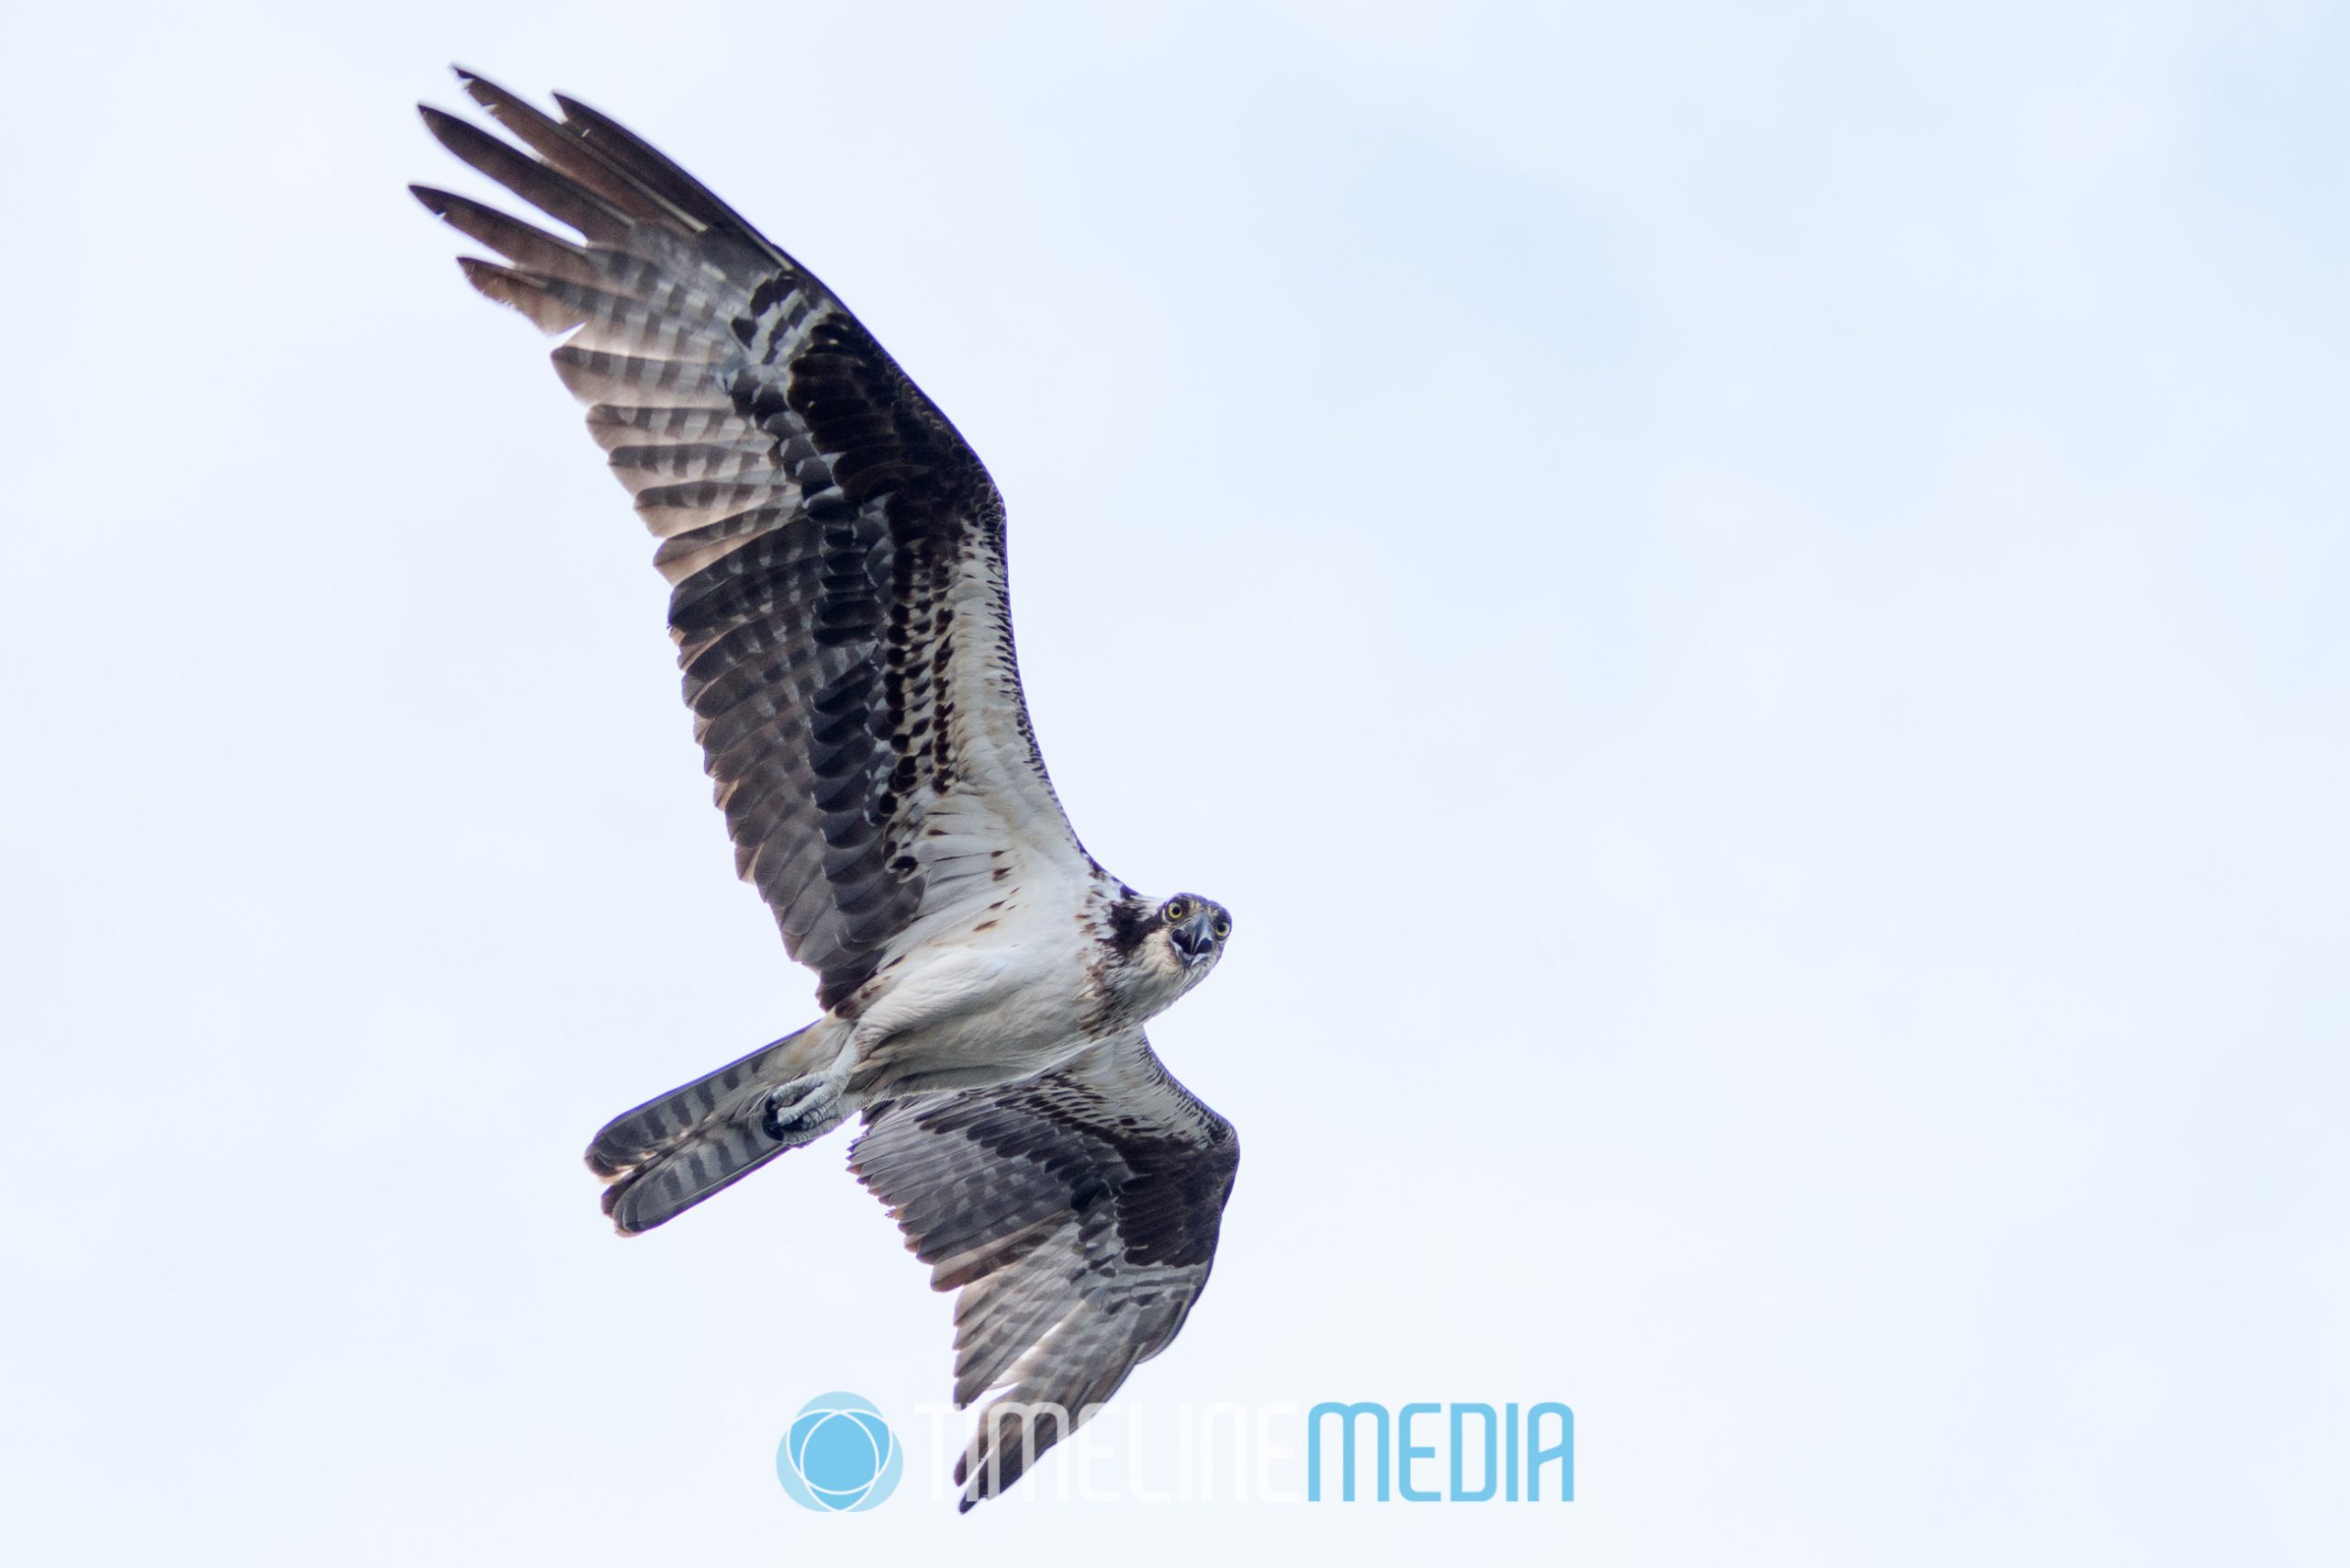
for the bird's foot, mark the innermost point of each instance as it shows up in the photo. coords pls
(802, 1110)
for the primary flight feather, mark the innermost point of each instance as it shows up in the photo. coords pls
(836, 556)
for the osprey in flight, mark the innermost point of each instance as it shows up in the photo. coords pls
(836, 559)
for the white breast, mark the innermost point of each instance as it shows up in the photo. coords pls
(1006, 997)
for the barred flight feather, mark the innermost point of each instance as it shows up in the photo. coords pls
(1078, 1214)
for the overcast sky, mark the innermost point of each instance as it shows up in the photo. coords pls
(1762, 598)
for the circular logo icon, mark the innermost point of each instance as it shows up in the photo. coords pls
(839, 1455)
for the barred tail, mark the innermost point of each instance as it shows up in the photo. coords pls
(673, 1151)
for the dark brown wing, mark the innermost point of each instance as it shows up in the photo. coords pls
(835, 550)
(1076, 1214)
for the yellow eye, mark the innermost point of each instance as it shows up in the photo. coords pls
(1175, 910)
(1222, 926)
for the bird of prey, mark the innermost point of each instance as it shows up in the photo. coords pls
(835, 560)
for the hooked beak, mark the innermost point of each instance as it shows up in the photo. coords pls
(1195, 938)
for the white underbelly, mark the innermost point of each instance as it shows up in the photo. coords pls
(976, 1015)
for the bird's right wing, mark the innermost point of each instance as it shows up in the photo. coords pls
(835, 550)
(1077, 1212)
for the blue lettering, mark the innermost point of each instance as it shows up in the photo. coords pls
(1346, 1415)
(1564, 1450)
(1405, 1454)
(1460, 1493)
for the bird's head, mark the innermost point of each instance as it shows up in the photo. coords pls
(1168, 947)
(1194, 929)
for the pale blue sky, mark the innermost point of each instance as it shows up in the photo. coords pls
(1774, 734)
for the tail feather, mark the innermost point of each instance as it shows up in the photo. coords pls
(713, 1160)
(677, 1148)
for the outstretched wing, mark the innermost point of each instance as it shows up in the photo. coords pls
(835, 551)
(1077, 1212)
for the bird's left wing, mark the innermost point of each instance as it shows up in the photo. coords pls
(835, 551)
(1077, 1212)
